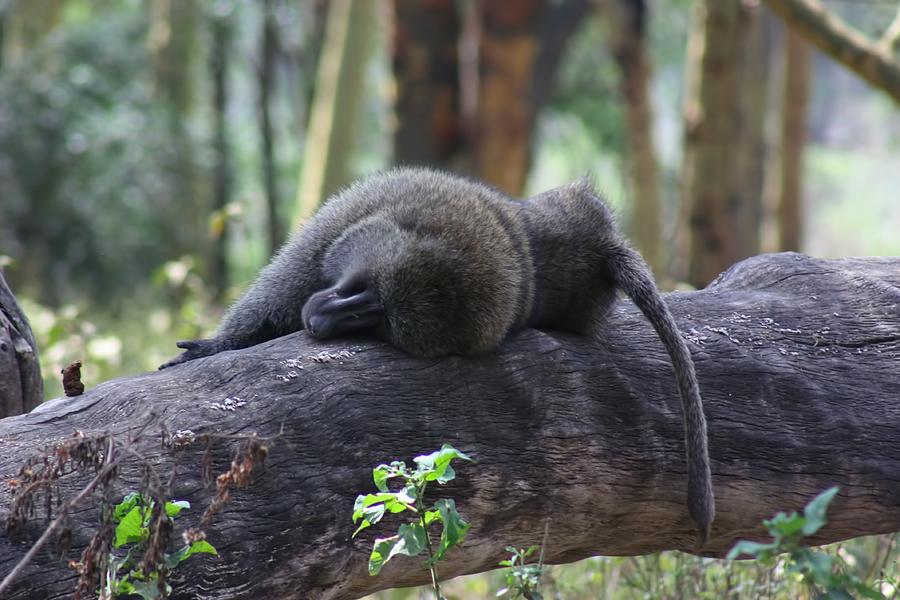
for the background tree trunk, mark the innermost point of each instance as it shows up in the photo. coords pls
(25, 24)
(582, 434)
(172, 42)
(425, 59)
(757, 135)
(21, 386)
(336, 105)
(710, 185)
(222, 170)
(266, 82)
(521, 42)
(793, 142)
(628, 27)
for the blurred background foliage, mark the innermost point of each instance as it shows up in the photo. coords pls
(154, 153)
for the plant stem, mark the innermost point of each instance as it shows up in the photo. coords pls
(432, 567)
(109, 465)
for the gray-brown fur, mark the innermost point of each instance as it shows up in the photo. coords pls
(437, 265)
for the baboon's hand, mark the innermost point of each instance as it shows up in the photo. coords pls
(193, 349)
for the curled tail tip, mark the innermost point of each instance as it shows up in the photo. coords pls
(702, 509)
(703, 525)
(702, 538)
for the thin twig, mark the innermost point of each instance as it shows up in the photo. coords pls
(544, 544)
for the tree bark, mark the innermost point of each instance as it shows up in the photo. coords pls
(875, 62)
(21, 386)
(793, 142)
(797, 362)
(335, 107)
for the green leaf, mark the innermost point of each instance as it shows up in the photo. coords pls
(425, 462)
(173, 509)
(364, 501)
(410, 541)
(183, 553)
(124, 587)
(396, 506)
(745, 547)
(202, 547)
(816, 509)
(444, 474)
(149, 589)
(407, 495)
(380, 475)
(784, 525)
(380, 550)
(130, 528)
(128, 502)
(370, 516)
(455, 527)
(436, 466)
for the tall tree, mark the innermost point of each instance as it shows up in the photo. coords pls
(172, 40)
(470, 83)
(628, 28)
(266, 83)
(222, 175)
(425, 60)
(757, 136)
(521, 42)
(793, 142)
(336, 104)
(172, 43)
(710, 170)
(26, 23)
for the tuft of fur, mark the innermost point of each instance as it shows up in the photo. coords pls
(436, 265)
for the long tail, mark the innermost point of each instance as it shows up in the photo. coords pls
(633, 277)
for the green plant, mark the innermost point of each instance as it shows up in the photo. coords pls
(522, 580)
(821, 572)
(135, 533)
(413, 537)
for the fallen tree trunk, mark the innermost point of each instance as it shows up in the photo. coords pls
(798, 364)
(21, 387)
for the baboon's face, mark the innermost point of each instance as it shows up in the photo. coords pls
(351, 305)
